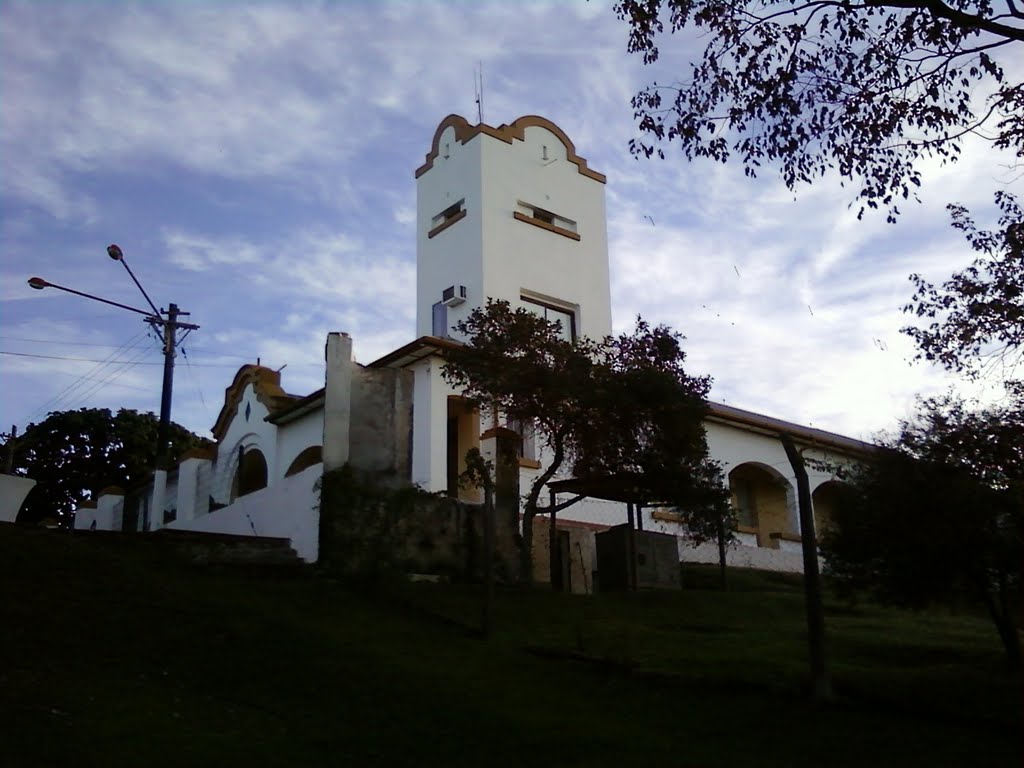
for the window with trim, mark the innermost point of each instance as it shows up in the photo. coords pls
(526, 446)
(746, 505)
(545, 219)
(447, 217)
(439, 320)
(565, 318)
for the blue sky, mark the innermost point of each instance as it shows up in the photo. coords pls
(255, 163)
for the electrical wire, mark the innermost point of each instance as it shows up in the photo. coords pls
(93, 360)
(126, 346)
(203, 350)
(116, 373)
(195, 383)
(54, 341)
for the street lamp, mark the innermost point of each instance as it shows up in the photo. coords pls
(166, 329)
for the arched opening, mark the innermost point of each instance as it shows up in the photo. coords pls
(760, 498)
(824, 500)
(251, 474)
(306, 459)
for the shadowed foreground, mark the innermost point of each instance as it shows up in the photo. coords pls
(114, 653)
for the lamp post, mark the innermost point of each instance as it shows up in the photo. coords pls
(166, 329)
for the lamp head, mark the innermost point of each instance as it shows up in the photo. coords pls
(38, 283)
(114, 252)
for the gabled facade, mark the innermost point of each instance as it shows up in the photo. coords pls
(510, 213)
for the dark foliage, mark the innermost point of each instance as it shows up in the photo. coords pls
(73, 454)
(938, 516)
(812, 87)
(978, 314)
(619, 407)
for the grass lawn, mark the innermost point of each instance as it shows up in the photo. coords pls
(113, 654)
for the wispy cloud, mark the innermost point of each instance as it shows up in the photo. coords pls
(255, 161)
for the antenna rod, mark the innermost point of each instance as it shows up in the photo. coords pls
(480, 98)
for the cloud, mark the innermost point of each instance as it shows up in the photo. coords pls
(255, 162)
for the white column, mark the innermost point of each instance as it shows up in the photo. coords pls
(106, 500)
(430, 427)
(85, 515)
(188, 488)
(156, 509)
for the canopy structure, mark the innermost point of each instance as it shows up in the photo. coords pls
(625, 488)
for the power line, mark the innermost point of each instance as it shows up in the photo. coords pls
(195, 382)
(132, 343)
(54, 341)
(114, 374)
(204, 350)
(93, 360)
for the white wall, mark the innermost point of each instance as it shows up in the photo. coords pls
(13, 490)
(293, 438)
(453, 256)
(84, 518)
(287, 509)
(107, 514)
(430, 425)
(493, 254)
(519, 256)
(741, 556)
(731, 446)
(251, 433)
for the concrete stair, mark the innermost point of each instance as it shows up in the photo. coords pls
(228, 549)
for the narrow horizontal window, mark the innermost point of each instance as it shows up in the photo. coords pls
(447, 217)
(545, 219)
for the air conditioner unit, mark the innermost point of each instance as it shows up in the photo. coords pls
(453, 295)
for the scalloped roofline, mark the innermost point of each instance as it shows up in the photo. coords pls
(267, 385)
(506, 132)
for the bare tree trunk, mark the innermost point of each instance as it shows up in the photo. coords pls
(526, 553)
(487, 617)
(553, 542)
(721, 554)
(631, 545)
(821, 686)
(1002, 616)
(530, 511)
(1011, 641)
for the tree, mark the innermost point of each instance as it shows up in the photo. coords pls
(615, 407)
(73, 454)
(821, 684)
(653, 433)
(977, 315)
(479, 473)
(939, 514)
(865, 89)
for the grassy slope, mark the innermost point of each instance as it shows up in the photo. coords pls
(113, 655)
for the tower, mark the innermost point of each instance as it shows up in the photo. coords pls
(510, 213)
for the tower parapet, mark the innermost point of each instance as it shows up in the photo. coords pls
(510, 213)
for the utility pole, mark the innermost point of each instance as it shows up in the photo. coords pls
(169, 337)
(166, 329)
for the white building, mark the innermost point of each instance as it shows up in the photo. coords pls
(508, 213)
